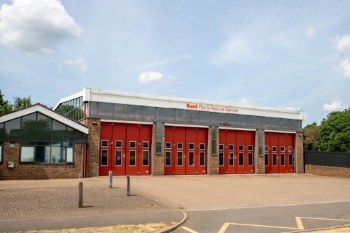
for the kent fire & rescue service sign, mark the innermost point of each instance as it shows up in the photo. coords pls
(212, 108)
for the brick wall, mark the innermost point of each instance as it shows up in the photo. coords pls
(213, 160)
(343, 172)
(93, 140)
(299, 153)
(259, 160)
(157, 159)
(24, 171)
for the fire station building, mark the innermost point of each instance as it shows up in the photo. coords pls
(138, 134)
(96, 131)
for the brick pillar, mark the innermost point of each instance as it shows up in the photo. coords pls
(93, 155)
(259, 160)
(10, 154)
(213, 160)
(299, 153)
(157, 159)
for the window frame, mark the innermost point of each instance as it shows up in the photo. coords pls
(115, 157)
(165, 159)
(121, 143)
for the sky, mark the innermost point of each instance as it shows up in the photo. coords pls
(281, 54)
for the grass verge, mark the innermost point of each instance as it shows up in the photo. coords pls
(137, 228)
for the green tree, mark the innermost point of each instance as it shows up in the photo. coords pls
(5, 106)
(310, 133)
(334, 132)
(22, 103)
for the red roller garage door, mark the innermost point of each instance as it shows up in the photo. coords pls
(125, 148)
(236, 151)
(279, 152)
(185, 150)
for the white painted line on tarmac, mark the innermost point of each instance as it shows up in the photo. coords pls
(225, 226)
(189, 230)
(264, 206)
(298, 221)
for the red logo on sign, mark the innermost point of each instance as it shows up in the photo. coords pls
(192, 106)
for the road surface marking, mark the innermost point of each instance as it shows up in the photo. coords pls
(299, 223)
(297, 219)
(189, 230)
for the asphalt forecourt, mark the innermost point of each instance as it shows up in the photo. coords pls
(53, 205)
(252, 203)
(161, 199)
(233, 191)
(293, 218)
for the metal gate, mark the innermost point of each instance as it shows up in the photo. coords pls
(236, 151)
(185, 150)
(125, 148)
(279, 152)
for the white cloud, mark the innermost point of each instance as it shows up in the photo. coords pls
(344, 68)
(150, 77)
(336, 105)
(36, 26)
(165, 61)
(237, 49)
(77, 62)
(342, 43)
(310, 32)
(243, 101)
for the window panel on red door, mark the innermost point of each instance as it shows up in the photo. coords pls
(179, 148)
(274, 147)
(145, 139)
(250, 142)
(222, 156)
(282, 147)
(242, 152)
(169, 163)
(105, 160)
(231, 152)
(290, 152)
(191, 162)
(132, 149)
(119, 134)
(201, 150)
(268, 155)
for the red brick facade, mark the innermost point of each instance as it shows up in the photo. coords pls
(31, 171)
(299, 153)
(213, 160)
(259, 160)
(50, 171)
(93, 147)
(343, 172)
(157, 160)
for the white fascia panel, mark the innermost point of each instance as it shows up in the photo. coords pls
(278, 131)
(74, 96)
(49, 113)
(187, 126)
(127, 122)
(244, 129)
(105, 96)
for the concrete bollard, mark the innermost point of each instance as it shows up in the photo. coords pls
(110, 179)
(128, 186)
(80, 198)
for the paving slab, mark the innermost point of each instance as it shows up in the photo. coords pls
(237, 191)
(53, 204)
